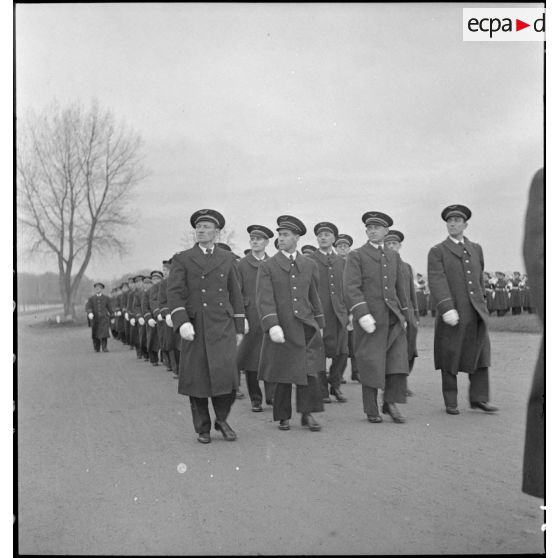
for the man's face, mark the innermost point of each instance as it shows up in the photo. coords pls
(394, 245)
(98, 289)
(166, 270)
(343, 249)
(325, 240)
(156, 279)
(206, 231)
(258, 243)
(124, 288)
(131, 285)
(456, 225)
(287, 240)
(139, 285)
(376, 233)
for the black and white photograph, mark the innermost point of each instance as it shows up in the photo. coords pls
(279, 282)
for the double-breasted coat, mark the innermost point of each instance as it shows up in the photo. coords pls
(248, 357)
(374, 284)
(150, 309)
(205, 291)
(501, 295)
(287, 296)
(412, 324)
(455, 276)
(137, 314)
(99, 305)
(330, 289)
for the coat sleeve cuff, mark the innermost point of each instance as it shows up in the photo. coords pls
(358, 310)
(444, 305)
(179, 317)
(269, 321)
(321, 321)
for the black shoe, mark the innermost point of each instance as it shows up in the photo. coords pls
(175, 376)
(269, 401)
(239, 395)
(336, 392)
(484, 407)
(204, 438)
(284, 425)
(228, 433)
(155, 363)
(343, 381)
(355, 376)
(97, 350)
(374, 418)
(452, 410)
(326, 399)
(310, 422)
(169, 369)
(105, 350)
(392, 410)
(409, 393)
(257, 408)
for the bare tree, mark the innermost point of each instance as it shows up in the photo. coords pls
(189, 238)
(76, 169)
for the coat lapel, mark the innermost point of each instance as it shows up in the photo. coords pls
(453, 247)
(321, 258)
(253, 262)
(372, 252)
(216, 259)
(283, 261)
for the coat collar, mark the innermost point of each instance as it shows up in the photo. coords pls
(207, 264)
(254, 262)
(455, 248)
(374, 253)
(284, 262)
(322, 258)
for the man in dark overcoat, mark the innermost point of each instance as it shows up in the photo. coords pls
(292, 319)
(135, 315)
(127, 302)
(501, 295)
(248, 356)
(206, 307)
(330, 289)
(375, 295)
(143, 301)
(171, 340)
(534, 256)
(393, 241)
(150, 308)
(515, 293)
(99, 313)
(461, 343)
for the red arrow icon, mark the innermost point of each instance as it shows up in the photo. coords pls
(519, 25)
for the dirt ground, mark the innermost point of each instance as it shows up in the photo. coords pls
(108, 463)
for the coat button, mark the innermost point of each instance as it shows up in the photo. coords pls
(203, 276)
(220, 304)
(293, 276)
(295, 299)
(385, 276)
(468, 271)
(472, 292)
(466, 261)
(222, 275)
(203, 290)
(296, 311)
(294, 288)
(205, 304)
(385, 287)
(470, 282)
(220, 290)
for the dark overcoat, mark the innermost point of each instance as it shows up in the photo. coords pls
(170, 339)
(137, 314)
(412, 324)
(287, 296)
(489, 295)
(206, 292)
(248, 357)
(101, 308)
(515, 295)
(455, 276)
(501, 296)
(374, 284)
(330, 289)
(132, 330)
(150, 309)
(534, 256)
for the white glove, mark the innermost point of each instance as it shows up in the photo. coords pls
(151, 322)
(168, 319)
(239, 338)
(246, 326)
(126, 317)
(90, 315)
(159, 318)
(276, 334)
(112, 320)
(118, 313)
(141, 321)
(350, 326)
(133, 321)
(321, 332)
(368, 323)
(187, 331)
(451, 317)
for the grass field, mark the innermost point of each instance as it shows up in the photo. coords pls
(524, 323)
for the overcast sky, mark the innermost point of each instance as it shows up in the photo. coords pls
(322, 111)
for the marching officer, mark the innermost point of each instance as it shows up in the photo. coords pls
(135, 315)
(393, 241)
(461, 343)
(515, 293)
(292, 319)
(248, 356)
(113, 299)
(501, 296)
(375, 295)
(99, 313)
(489, 292)
(330, 289)
(150, 309)
(120, 321)
(422, 297)
(171, 340)
(126, 312)
(206, 307)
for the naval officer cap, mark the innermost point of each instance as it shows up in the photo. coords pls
(157, 273)
(308, 249)
(344, 239)
(260, 230)
(325, 226)
(130, 279)
(207, 215)
(167, 262)
(394, 235)
(138, 278)
(98, 284)
(291, 223)
(147, 279)
(377, 218)
(456, 210)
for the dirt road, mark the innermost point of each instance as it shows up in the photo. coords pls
(102, 438)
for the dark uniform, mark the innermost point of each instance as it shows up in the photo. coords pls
(455, 276)
(501, 296)
(135, 315)
(126, 304)
(335, 338)
(422, 296)
(489, 293)
(99, 305)
(114, 305)
(150, 308)
(527, 302)
(203, 289)
(374, 285)
(515, 294)
(170, 340)
(287, 296)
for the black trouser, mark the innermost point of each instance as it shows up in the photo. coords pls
(153, 357)
(174, 359)
(308, 399)
(501, 312)
(395, 392)
(96, 344)
(516, 310)
(478, 387)
(254, 390)
(338, 364)
(354, 366)
(104, 343)
(200, 410)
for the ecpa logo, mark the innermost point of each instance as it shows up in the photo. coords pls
(503, 24)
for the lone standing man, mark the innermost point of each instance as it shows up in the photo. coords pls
(99, 312)
(461, 343)
(292, 319)
(206, 307)
(375, 295)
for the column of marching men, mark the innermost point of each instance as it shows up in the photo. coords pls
(209, 315)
